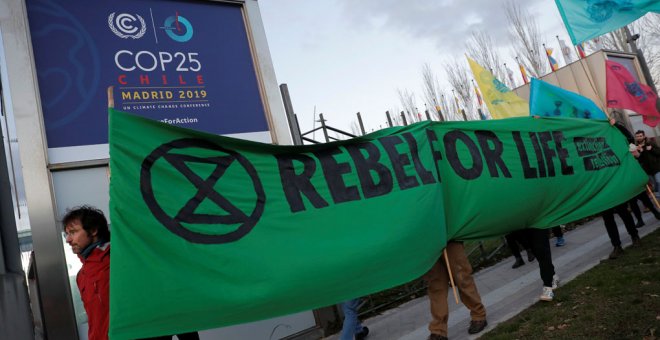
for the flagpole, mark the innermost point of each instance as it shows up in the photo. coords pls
(451, 277)
(111, 97)
(650, 192)
(630, 39)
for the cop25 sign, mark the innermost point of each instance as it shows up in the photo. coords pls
(178, 62)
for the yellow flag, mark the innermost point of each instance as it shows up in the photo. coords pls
(501, 101)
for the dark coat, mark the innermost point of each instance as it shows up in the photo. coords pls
(649, 159)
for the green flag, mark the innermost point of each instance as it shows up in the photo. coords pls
(209, 231)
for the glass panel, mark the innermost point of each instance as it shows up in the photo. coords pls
(74, 188)
(628, 63)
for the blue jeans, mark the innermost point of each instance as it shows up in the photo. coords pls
(351, 323)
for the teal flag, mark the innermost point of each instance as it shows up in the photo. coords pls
(588, 19)
(547, 100)
(210, 231)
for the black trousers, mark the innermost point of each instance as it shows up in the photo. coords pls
(647, 203)
(556, 231)
(516, 239)
(610, 224)
(540, 245)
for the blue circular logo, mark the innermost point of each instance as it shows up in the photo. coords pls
(178, 28)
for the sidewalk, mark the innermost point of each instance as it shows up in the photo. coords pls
(505, 291)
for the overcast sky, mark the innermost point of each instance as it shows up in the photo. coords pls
(345, 56)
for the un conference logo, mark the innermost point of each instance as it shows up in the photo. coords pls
(197, 210)
(178, 28)
(127, 25)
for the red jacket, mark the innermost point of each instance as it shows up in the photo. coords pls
(93, 282)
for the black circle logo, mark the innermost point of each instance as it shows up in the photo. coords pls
(180, 154)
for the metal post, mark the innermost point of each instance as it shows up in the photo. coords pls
(290, 115)
(428, 115)
(361, 125)
(403, 118)
(14, 301)
(640, 56)
(464, 116)
(389, 119)
(297, 142)
(442, 118)
(324, 128)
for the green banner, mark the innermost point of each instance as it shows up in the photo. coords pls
(210, 231)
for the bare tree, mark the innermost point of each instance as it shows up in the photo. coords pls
(526, 39)
(407, 100)
(481, 48)
(650, 44)
(459, 79)
(615, 40)
(648, 29)
(432, 92)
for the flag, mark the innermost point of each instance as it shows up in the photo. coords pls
(565, 51)
(210, 231)
(624, 92)
(479, 100)
(586, 20)
(523, 73)
(547, 100)
(580, 49)
(501, 102)
(553, 63)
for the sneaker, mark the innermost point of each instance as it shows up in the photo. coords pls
(639, 224)
(555, 281)
(519, 262)
(363, 333)
(616, 252)
(547, 294)
(436, 337)
(530, 256)
(477, 326)
(560, 242)
(636, 242)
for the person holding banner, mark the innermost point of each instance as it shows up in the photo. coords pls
(621, 209)
(648, 155)
(613, 231)
(86, 231)
(540, 244)
(438, 286)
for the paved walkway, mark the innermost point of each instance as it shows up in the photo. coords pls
(505, 291)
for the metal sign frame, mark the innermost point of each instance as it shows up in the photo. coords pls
(54, 291)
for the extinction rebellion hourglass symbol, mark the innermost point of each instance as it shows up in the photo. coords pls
(178, 28)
